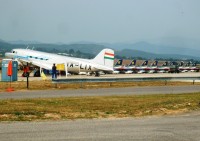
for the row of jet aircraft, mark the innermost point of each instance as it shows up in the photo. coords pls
(166, 67)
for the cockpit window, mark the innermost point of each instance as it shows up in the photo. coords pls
(14, 51)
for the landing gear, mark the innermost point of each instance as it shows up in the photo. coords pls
(97, 74)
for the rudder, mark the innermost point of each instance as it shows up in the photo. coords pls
(119, 62)
(133, 63)
(105, 57)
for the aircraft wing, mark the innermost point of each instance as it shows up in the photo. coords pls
(37, 63)
(42, 65)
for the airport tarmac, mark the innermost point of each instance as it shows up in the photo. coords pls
(100, 92)
(188, 74)
(160, 75)
(174, 128)
(184, 127)
(105, 91)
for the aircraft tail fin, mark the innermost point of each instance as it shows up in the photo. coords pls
(173, 63)
(105, 57)
(194, 64)
(155, 63)
(188, 64)
(181, 63)
(165, 64)
(133, 63)
(119, 62)
(145, 63)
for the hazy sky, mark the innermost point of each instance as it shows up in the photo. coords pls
(100, 20)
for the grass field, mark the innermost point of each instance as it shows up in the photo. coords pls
(43, 85)
(97, 107)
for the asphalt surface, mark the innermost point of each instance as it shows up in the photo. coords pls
(100, 92)
(169, 128)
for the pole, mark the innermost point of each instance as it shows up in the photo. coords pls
(66, 71)
(27, 75)
(10, 81)
(27, 84)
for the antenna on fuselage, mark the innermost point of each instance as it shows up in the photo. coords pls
(33, 47)
(27, 47)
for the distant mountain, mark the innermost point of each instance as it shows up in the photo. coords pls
(140, 49)
(22, 42)
(136, 53)
(5, 46)
(2, 40)
(152, 48)
(54, 48)
(86, 48)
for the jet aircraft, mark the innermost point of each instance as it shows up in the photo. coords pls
(118, 66)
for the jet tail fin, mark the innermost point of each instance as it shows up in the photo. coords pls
(194, 64)
(105, 57)
(187, 64)
(165, 64)
(181, 63)
(119, 62)
(133, 63)
(155, 63)
(145, 63)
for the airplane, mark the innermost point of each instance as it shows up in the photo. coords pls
(154, 64)
(102, 62)
(164, 68)
(132, 65)
(154, 67)
(189, 67)
(131, 68)
(145, 63)
(183, 68)
(124, 69)
(194, 68)
(118, 63)
(143, 68)
(118, 66)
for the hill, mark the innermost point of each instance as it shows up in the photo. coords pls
(156, 49)
(130, 53)
(89, 50)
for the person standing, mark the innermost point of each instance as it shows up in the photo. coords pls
(54, 75)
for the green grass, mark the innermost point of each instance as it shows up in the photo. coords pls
(97, 107)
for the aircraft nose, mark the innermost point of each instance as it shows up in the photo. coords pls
(9, 55)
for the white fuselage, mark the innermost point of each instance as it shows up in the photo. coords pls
(46, 61)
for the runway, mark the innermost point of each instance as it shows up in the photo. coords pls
(100, 92)
(169, 128)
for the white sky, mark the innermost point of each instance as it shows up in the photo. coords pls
(50, 21)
